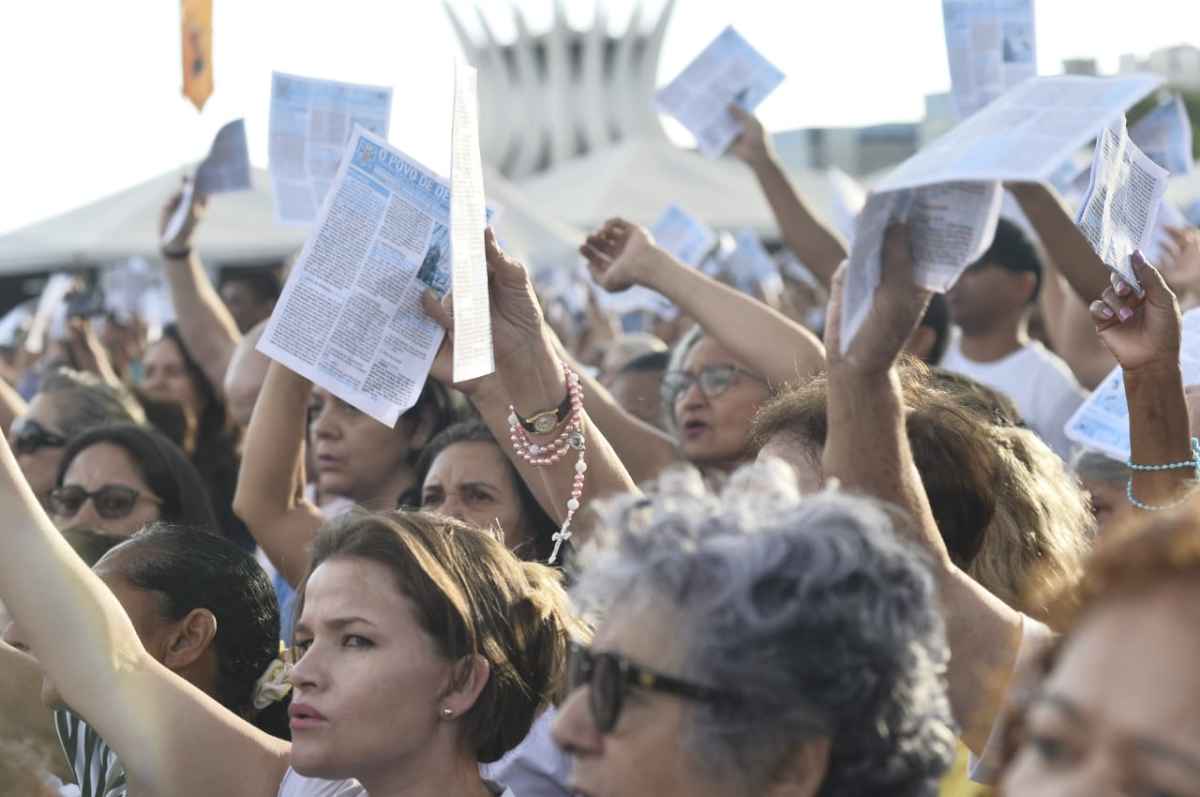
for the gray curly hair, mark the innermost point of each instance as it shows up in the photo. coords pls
(812, 612)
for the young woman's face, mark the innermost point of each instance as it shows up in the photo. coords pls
(357, 456)
(1120, 712)
(107, 469)
(714, 429)
(165, 377)
(474, 483)
(366, 689)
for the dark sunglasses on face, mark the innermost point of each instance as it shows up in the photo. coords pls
(29, 437)
(713, 380)
(608, 674)
(112, 501)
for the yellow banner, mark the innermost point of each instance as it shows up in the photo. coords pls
(197, 51)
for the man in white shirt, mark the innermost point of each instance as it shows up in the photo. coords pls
(990, 305)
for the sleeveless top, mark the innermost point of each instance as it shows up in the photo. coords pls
(96, 767)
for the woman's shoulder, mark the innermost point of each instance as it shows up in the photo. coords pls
(294, 785)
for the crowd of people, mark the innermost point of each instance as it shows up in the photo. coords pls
(727, 554)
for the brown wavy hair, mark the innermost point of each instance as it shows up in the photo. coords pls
(473, 597)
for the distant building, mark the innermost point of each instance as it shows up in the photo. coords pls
(1081, 66)
(858, 151)
(549, 97)
(1179, 65)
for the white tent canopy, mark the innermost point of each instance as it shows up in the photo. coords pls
(639, 178)
(239, 228)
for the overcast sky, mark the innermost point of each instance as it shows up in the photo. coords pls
(91, 91)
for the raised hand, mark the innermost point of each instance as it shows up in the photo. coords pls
(181, 238)
(897, 309)
(621, 254)
(751, 146)
(516, 315)
(1140, 331)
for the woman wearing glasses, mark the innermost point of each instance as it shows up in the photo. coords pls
(751, 643)
(118, 479)
(721, 372)
(67, 404)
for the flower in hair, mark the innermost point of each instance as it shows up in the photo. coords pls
(274, 684)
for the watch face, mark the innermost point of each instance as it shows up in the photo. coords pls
(545, 423)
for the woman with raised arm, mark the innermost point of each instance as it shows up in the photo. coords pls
(357, 458)
(202, 608)
(866, 449)
(535, 400)
(425, 648)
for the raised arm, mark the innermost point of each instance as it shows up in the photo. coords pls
(1072, 277)
(85, 642)
(818, 246)
(269, 497)
(867, 450)
(621, 254)
(1143, 333)
(207, 327)
(533, 379)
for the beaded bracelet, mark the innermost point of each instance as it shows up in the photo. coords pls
(546, 454)
(1193, 463)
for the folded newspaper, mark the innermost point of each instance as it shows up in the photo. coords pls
(1102, 422)
(350, 316)
(728, 71)
(950, 193)
(1118, 211)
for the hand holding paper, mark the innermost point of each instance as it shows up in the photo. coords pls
(899, 304)
(752, 145)
(516, 314)
(1139, 329)
(180, 217)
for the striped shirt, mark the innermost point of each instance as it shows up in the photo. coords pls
(97, 769)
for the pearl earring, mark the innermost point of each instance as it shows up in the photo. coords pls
(447, 712)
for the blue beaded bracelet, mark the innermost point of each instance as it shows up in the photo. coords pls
(1193, 463)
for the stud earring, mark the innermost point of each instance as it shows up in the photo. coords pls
(447, 712)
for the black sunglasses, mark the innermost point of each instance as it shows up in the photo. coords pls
(29, 436)
(608, 674)
(112, 501)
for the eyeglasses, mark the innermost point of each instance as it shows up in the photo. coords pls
(112, 501)
(608, 674)
(713, 380)
(29, 436)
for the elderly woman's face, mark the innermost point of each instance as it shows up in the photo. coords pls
(1119, 713)
(646, 752)
(714, 425)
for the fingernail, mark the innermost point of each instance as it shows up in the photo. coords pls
(1106, 311)
(1124, 314)
(1122, 288)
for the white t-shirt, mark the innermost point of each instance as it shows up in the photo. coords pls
(1038, 382)
(294, 785)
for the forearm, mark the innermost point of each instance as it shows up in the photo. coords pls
(646, 449)
(867, 449)
(1073, 333)
(740, 323)
(539, 383)
(1065, 244)
(817, 246)
(268, 481)
(1158, 432)
(205, 323)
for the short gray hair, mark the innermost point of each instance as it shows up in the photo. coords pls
(811, 612)
(84, 401)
